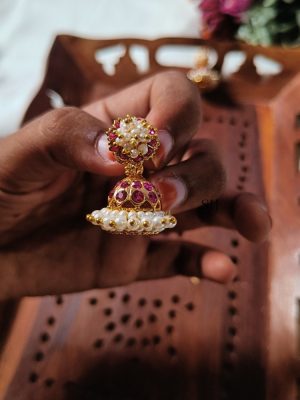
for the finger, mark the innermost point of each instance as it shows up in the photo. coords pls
(58, 141)
(186, 185)
(48, 273)
(169, 258)
(244, 212)
(169, 102)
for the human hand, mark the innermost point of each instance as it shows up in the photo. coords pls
(58, 167)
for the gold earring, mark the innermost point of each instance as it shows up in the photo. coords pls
(203, 75)
(134, 204)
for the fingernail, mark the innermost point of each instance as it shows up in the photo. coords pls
(173, 191)
(218, 266)
(103, 149)
(262, 205)
(266, 217)
(166, 144)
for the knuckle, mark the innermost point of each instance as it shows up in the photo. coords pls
(212, 179)
(218, 176)
(58, 120)
(186, 99)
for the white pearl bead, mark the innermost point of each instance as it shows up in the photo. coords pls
(143, 148)
(122, 214)
(157, 223)
(105, 221)
(135, 131)
(120, 224)
(134, 153)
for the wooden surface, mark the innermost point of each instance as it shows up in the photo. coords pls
(171, 338)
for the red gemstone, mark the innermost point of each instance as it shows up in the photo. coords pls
(138, 159)
(153, 143)
(122, 155)
(137, 196)
(152, 197)
(114, 148)
(149, 152)
(117, 124)
(148, 186)
(137, 185)
(124, 184)
(112, 136)
(121, 195)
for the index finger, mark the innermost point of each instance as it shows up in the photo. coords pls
(168, 100)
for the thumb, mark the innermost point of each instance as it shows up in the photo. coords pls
(61, 140)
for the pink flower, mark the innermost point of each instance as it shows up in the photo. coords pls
(220, 18)
(234, 7)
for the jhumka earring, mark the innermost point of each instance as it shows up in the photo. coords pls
(203, 75)
(134, 204)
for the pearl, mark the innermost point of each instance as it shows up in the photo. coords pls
(122, 214)
(120, 224)
(141, 214)
(105, 221)
(143, 148)
(96, 214)
(134, 153)
(157, 223)
(131, 214)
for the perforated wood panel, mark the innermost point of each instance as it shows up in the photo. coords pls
(169, 339)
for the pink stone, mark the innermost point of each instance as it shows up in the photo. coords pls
(114, 148)
(152, 131)
(122, 155)
(121, 195)
(124, 184)
(112, 136)
(137, 185)
(153, 143)
(138, 159)
(137, 196)
(152, 197)
(149, 152)
(117, 124)
(148, 186)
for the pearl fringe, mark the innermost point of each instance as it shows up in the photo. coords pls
(133, 222)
